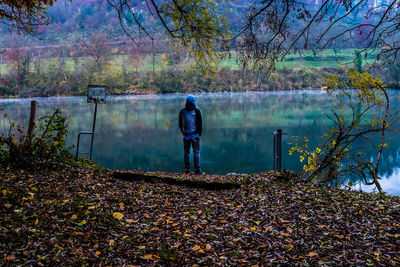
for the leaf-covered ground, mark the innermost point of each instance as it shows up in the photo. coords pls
(86, 216)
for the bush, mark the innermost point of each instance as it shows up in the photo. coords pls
(45, 148)
(168, 82)
(6, 91)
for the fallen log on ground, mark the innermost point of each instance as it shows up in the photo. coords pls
(135, 176)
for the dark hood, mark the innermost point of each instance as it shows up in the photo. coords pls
(190, 102)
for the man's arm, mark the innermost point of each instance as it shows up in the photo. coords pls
(180, 119)
(199, 122)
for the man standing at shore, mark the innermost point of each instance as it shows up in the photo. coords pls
(190, 123)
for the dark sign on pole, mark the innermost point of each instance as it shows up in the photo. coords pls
(96, 94)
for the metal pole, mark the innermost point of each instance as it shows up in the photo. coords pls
(274, 150)
(93, 129)
(277, 147)
(77, 147)
(279, 154)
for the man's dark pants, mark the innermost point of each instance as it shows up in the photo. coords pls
(195, 143)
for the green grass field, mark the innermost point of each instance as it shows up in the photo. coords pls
(325, 59)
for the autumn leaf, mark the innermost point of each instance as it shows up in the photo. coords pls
(10, 257)
(311, 254)
(98, 253)
(284, 234)
(118, 215)
(196, 248)
(150, 257)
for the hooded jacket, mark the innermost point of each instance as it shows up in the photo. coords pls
(190, 120)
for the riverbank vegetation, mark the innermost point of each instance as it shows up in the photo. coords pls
(70, 76)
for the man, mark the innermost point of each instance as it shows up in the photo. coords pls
(190, 123)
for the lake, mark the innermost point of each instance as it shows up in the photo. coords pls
(141, 132)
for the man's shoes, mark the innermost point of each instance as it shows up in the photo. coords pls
(187, 171)
(198, 172)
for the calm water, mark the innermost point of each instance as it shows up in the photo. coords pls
(141, 132)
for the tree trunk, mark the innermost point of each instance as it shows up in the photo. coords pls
(32, 118)
(153, 62)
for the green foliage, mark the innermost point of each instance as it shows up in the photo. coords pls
(362, 112)
(45, 148)
(169, 82)
(197, 26)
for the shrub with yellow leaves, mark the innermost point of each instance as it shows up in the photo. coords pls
(361, 111)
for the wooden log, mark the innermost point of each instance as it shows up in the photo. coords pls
(32, 119)
(131, 176)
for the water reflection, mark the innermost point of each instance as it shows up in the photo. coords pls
(390, 184)
(141, 132)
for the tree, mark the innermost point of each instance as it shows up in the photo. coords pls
(362, 112)
(98, 49)
(135, 56)
(196, 24)
(24, 15)
(274, 28)
(17, 58)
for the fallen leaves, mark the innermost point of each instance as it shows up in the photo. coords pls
(99, 220)
(152, 257)
(196, 248)
(284, 234)
(118, 215)
(312, 254)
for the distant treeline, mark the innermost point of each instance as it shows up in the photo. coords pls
(127, 81)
